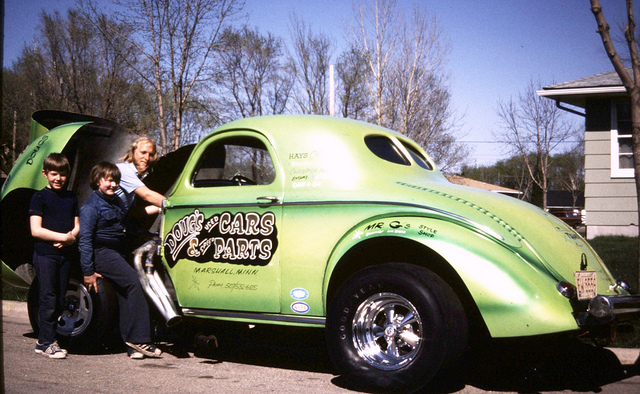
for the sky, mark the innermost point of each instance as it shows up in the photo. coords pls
(497, 47)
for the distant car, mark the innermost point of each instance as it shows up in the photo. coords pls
(332, 223)
(570, 217)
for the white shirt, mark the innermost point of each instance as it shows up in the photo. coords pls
(129, 182)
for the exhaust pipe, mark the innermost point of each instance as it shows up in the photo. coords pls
(152, 284)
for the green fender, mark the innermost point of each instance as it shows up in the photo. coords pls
(506, 280)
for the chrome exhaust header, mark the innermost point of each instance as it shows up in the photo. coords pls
(152, 283)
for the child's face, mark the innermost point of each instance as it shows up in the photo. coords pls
(107, 186)
(56, 180)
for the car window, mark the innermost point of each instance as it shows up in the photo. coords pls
(234, 161)
(418, 157)
(385, 149)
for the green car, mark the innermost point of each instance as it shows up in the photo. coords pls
(332, 223)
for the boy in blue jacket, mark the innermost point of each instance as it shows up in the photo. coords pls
(102, 234)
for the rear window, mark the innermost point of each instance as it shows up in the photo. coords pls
(385, 149)
(418, 157)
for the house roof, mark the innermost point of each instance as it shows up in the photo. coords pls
(574, 92)
(460, 180)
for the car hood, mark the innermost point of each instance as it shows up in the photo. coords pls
(536, 235)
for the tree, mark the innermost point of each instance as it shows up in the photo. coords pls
(376, 35)
(509, 173)
(631, 81)
(534, 128)
(406, 80)
(90, 76)
(351, 77)
(309, 64)
(250, 77)
(567, 172)
(70, 67)
(175, 40)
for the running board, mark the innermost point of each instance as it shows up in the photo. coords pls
(256, 317)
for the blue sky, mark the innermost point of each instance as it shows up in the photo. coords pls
(497, 46)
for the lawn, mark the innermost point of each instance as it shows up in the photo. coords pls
(620, 254)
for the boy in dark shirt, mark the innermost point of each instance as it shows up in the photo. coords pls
(101, 242)
(55, 224)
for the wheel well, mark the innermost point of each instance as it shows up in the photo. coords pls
(401, 250)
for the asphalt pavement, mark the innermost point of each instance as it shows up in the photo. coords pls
(275, 359)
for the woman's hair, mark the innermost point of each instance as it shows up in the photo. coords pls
(142, 140)
(56, 162)
(104, 170)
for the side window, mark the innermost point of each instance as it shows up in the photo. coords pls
(234, 161)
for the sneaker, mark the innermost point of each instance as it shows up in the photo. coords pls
(134, 354)
(51, 351)
(146, 349)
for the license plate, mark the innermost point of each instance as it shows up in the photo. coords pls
(586, 284)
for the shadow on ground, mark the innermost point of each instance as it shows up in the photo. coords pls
(545, 365)
(517, 365)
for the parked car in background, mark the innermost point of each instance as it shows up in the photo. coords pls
(572, 218)
(329, 223)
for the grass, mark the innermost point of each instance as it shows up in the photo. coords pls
(620, 255)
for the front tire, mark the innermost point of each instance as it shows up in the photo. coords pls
(395, 327)
(87, 318)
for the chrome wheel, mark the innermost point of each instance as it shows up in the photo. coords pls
(387, 331)
(77, 312)
(395, 327)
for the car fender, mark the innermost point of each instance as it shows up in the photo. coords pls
(504, 281)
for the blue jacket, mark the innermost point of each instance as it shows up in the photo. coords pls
(101, 224)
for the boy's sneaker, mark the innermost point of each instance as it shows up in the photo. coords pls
(51, 351)
(146, 349)
(134, 354)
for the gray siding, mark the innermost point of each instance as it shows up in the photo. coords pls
(610, 203)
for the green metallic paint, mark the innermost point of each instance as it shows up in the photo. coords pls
(334, 188)
(332, 195)
(27, 173)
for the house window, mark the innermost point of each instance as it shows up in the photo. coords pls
(621, 147)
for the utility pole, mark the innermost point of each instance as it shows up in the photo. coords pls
(332, 92)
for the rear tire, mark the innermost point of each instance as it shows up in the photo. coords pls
(395, 327)
(87, 319)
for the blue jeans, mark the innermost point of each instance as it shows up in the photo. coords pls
(135, 325)
(53, 275)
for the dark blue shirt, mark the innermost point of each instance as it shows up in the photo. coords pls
(58, 209)
(100, 225)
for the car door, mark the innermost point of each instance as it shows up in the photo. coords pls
(221, 226)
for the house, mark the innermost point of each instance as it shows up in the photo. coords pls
(610, 194)
(460, 180)
(564, 200)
